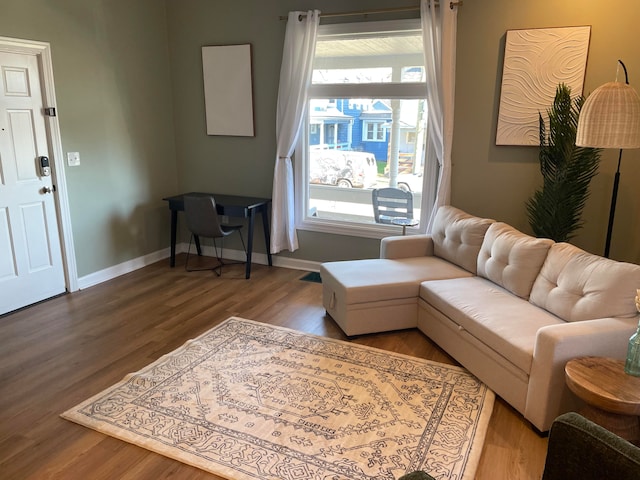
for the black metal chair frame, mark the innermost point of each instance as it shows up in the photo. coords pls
(203, 221)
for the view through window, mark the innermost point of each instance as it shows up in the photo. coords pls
(365, 126)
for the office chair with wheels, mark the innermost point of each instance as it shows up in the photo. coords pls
(203, 221)
(390, 203)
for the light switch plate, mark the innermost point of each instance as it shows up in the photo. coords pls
(73, 159)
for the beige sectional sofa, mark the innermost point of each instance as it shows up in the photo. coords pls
(511, 308)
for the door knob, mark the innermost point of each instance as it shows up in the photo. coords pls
(46, 190)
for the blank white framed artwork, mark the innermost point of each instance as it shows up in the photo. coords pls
(536, 61)
(228, 91)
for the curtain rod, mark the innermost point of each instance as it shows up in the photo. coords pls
(452, 4)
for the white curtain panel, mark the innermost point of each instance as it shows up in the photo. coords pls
(295, 78)
(439, 33)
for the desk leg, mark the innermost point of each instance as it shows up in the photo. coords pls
(267, 232)
(174, 227)
(252, 217)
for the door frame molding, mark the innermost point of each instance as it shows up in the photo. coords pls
(42, 50)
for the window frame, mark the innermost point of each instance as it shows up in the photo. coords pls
(379, 132)
(391, 90)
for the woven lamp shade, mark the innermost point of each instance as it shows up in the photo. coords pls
(610, 118)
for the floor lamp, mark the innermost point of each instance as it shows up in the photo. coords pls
(610, 118)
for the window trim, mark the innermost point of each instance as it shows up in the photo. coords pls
(389, 90)
(355, 28)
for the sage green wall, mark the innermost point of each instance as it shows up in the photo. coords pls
(496, 181)
(130, 100)
(111, 67)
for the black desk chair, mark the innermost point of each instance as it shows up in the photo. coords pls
(389, 203)
(203, 221)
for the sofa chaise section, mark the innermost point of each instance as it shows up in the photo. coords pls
(375, 295)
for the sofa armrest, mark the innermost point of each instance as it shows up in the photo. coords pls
(406, 246)
(547, 395)
(579, 448)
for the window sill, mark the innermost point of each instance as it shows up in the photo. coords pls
(353, 229)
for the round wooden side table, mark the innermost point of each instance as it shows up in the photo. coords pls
(612, 397)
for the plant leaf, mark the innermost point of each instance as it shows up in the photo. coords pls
(554, 211)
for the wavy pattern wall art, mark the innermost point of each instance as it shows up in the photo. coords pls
(535, 62)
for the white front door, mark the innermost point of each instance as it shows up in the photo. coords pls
(31, 267)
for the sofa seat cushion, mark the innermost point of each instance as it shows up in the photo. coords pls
(457, 236)
(505, 323)
(577, 285)
(372, 280)
(512, 259)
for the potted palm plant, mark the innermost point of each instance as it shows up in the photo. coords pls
(554, 211)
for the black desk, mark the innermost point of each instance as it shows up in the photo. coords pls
(231, 206)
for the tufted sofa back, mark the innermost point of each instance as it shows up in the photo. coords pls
(576, 285)
(457, 236)
(511, 258)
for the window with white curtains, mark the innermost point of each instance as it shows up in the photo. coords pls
(365, 127)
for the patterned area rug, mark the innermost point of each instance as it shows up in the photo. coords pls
(248, 400)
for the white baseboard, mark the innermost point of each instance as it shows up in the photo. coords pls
(131, 265)
(121, 269)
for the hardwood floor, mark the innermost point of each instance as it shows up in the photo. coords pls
(57, 353)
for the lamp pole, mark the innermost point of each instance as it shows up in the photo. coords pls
(616, 183)
(612, 210)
